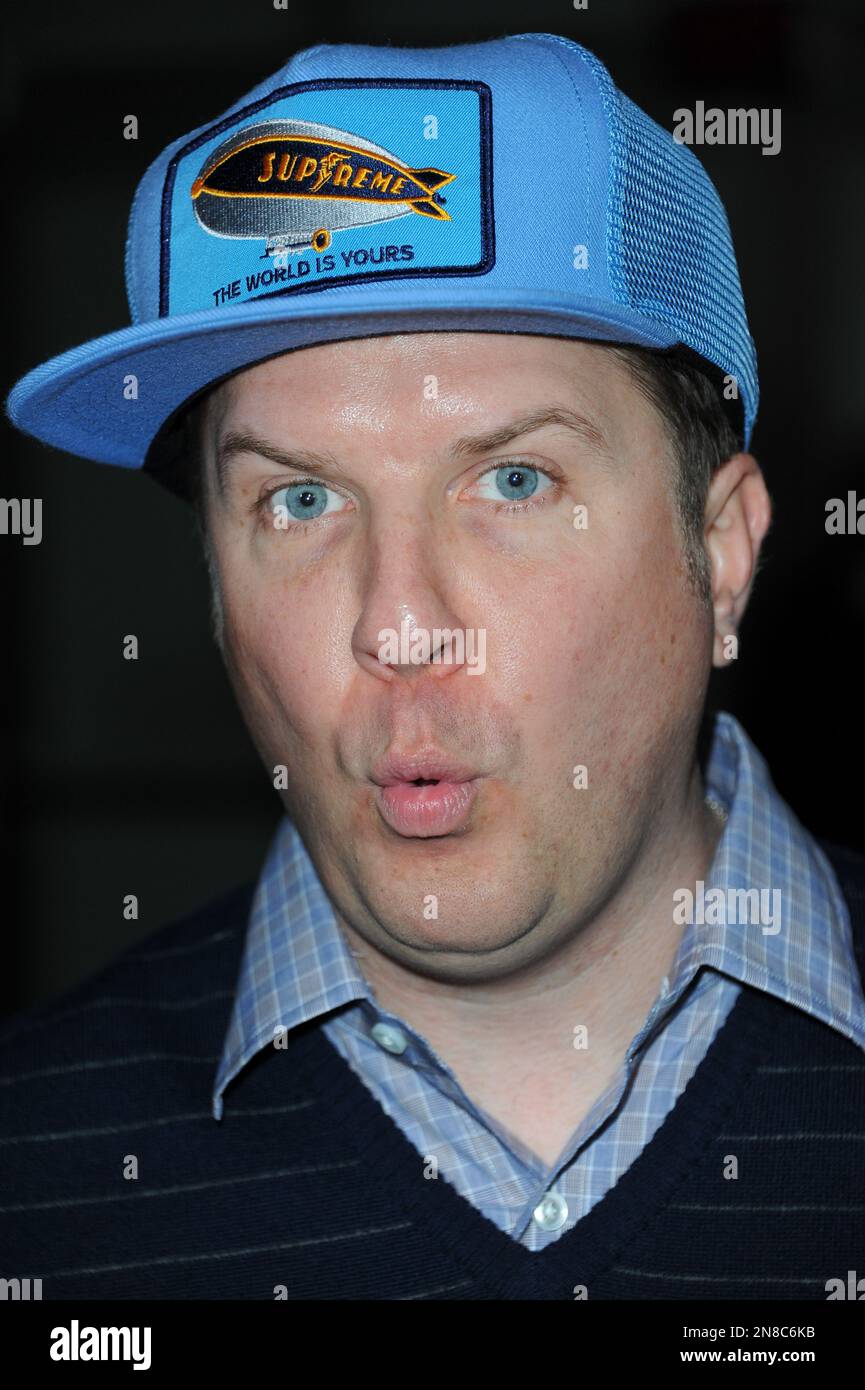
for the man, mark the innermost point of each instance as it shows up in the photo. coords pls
(536, 996)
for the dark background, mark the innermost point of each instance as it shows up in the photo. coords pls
(139, 777)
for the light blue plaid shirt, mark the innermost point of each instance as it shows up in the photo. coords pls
(297, 966)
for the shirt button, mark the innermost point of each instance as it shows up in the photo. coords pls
(390, 1038)
(551, 1213)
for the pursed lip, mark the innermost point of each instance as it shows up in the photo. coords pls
(427, 764)
(425, 809)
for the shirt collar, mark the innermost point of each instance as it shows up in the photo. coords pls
(805, 956)
(297, 966)
(296, 963)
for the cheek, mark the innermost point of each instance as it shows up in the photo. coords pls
(616, 654)
(280, 641)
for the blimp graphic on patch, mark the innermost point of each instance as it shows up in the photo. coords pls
(295, 183)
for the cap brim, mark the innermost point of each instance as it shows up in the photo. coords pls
(108, 399)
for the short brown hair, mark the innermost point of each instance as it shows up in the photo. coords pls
(701, 434)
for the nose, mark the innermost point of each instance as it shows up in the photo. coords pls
(408, 627)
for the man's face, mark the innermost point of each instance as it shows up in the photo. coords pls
(595, 650)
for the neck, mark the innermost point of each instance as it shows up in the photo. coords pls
(512, 1042)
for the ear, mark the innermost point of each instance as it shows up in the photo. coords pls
(738, 515)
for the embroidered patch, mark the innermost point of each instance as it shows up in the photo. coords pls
(278, 200)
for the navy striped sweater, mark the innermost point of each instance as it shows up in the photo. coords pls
(116, 1181)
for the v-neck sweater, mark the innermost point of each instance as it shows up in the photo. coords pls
(117, 1182)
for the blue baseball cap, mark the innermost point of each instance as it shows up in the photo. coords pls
(506, 186)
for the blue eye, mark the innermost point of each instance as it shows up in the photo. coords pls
(516, 482)
(305, 500)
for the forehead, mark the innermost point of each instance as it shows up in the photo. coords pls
(416, 375)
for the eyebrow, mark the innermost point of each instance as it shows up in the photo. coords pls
(468, 446)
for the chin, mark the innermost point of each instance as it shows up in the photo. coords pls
(437, 946)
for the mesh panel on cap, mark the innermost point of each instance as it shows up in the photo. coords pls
(669, 249)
